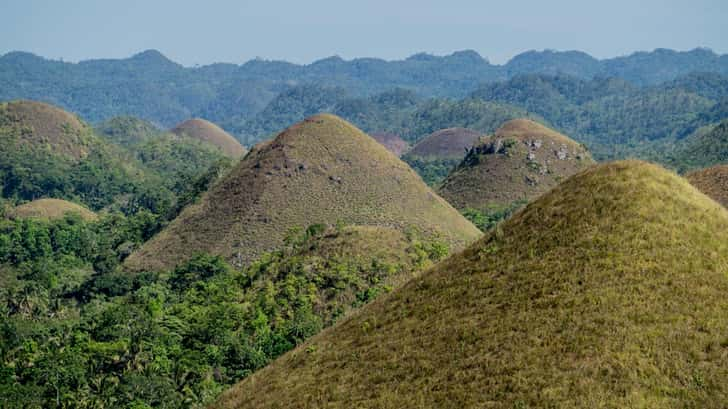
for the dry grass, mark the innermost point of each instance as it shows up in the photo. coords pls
(527, 165)
(50, 209)
(392, 142)
(713, 182)
(609, 291)
(450, 143)
(321, 170)
(208, 132)
(40, 126)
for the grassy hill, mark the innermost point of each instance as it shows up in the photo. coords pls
(208, 132)
(48, 152)
(450, 143)
(522, 160)
(609, 291)
(321, 170)
(712, 181)
(128, 130)
(50, 209)
(392, 142)
(37, 126)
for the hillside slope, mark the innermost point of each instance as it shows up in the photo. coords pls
(609, 291)
(392, 142)
(712, 181)
(321, 170)
(521, 161)
(450, 143)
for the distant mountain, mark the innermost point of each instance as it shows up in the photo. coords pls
(150, 86)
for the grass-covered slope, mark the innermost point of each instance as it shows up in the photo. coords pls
(712, 181)
(321, 170)
(521, 161)
(393, 142)
(210, 133)
(41, 127)
(609, 291)
(51, 209)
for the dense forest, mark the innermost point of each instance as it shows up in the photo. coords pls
(575, 92)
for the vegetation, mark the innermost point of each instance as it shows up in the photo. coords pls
(320, 169)
(706, 147)
(608, 291)
(490, 215)
(50, 209)
(75, 333)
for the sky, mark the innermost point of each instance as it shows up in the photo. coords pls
(302, 31)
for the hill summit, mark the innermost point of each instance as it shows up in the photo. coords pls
(522, 160)
(608, 291)
(713, 182)
(40, 126)
(208, 132)
(51, 209)
(320, 170)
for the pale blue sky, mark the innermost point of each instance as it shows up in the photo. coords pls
(202, 32)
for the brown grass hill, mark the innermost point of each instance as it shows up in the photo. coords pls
(450, 143)
(393, 142)
(208, 132)
(520, 162)
(608, 291)
(712, 181)
(320, 170)
(39, 126)
(50, 209)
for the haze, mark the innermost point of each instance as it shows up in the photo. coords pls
(193, 32)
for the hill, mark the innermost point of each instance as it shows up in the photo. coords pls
(712, 181)
(50, 209)
(39, 126)
(128, 130)
(704, 148)
(392, 142)
(609, 291)
(451, 143)
(48, 152)
(321, 170)
(522, 160)
(208, 132)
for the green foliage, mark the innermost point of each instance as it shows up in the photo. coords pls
(488, 217)
(74, 337)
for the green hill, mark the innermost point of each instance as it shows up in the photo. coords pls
(609, 291)
(48, 152)
(50, 209)
(210, 133)
(712, 181)
(522, 160)
(128, 130)
(321, 170)
(704, 148)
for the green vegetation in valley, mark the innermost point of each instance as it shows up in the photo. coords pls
(76, 332)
